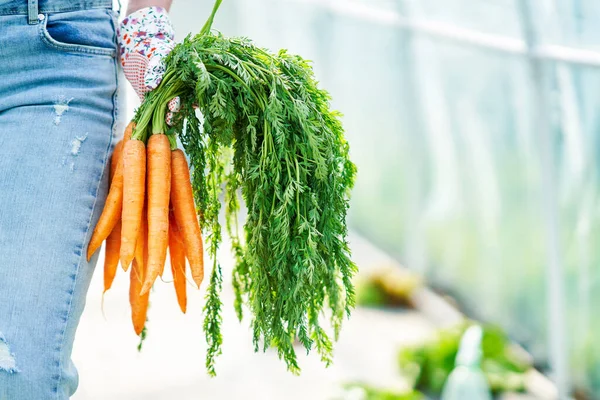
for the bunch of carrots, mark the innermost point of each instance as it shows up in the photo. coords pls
(149, 208)
(257, 128)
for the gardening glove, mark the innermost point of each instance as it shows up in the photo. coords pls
(146, 37)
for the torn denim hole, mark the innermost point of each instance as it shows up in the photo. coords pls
(60, 107)
(7, 359)
(76, 144)
(74, 152)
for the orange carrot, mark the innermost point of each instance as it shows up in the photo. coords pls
(159, 182)
(111, 213)
(118, 152)
(115, 158)
(139, 303)
(128, 131)
(113, 241)
(142, 241)
(177, 256)
(185, 214)
(112, 209)
(111, 256)
(134, 187)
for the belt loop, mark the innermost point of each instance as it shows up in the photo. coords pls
(32, 11)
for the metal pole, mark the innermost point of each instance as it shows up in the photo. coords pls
(416, 256)
(550, 209)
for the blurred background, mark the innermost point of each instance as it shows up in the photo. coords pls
(474, 127)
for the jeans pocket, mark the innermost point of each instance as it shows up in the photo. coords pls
(85, 31)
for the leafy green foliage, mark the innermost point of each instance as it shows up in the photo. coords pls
(266, 131)
(430, 364)
(368, 392)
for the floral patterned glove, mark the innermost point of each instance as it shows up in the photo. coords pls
(146, 37)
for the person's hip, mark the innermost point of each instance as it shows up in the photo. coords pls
(58, 84)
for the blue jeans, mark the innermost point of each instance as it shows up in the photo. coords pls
(58, 85)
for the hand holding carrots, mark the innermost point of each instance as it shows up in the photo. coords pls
(138, 225)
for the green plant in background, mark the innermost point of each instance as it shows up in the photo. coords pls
(588, 360)
(467, 380)
(428, 365)
(361, 391)
(387, 286)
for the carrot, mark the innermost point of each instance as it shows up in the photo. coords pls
(159, 181)
(115, 158)
(112, 209)
(111, 256)
(139, 303)
(177, 256)
(113, 241)
(128, 131)
(111, 213)
(142, 241)
(134, 187)
(185, 214)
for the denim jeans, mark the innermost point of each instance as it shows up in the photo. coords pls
(58, 85)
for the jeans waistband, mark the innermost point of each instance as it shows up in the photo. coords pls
(29, 7)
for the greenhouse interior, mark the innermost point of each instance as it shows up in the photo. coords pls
(472, 221)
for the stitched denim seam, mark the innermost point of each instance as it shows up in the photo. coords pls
(72, 48)
(45, 10)
(87, 231)
(66, 320)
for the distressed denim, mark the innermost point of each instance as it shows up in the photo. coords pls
(58, 86)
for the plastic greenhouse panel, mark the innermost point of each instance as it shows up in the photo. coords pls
(450, 179)
(579, 195)
(569, 23)
(490, 16)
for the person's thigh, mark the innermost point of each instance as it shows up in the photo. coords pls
(57, 112)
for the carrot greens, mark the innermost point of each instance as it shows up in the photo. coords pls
(255, 124)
